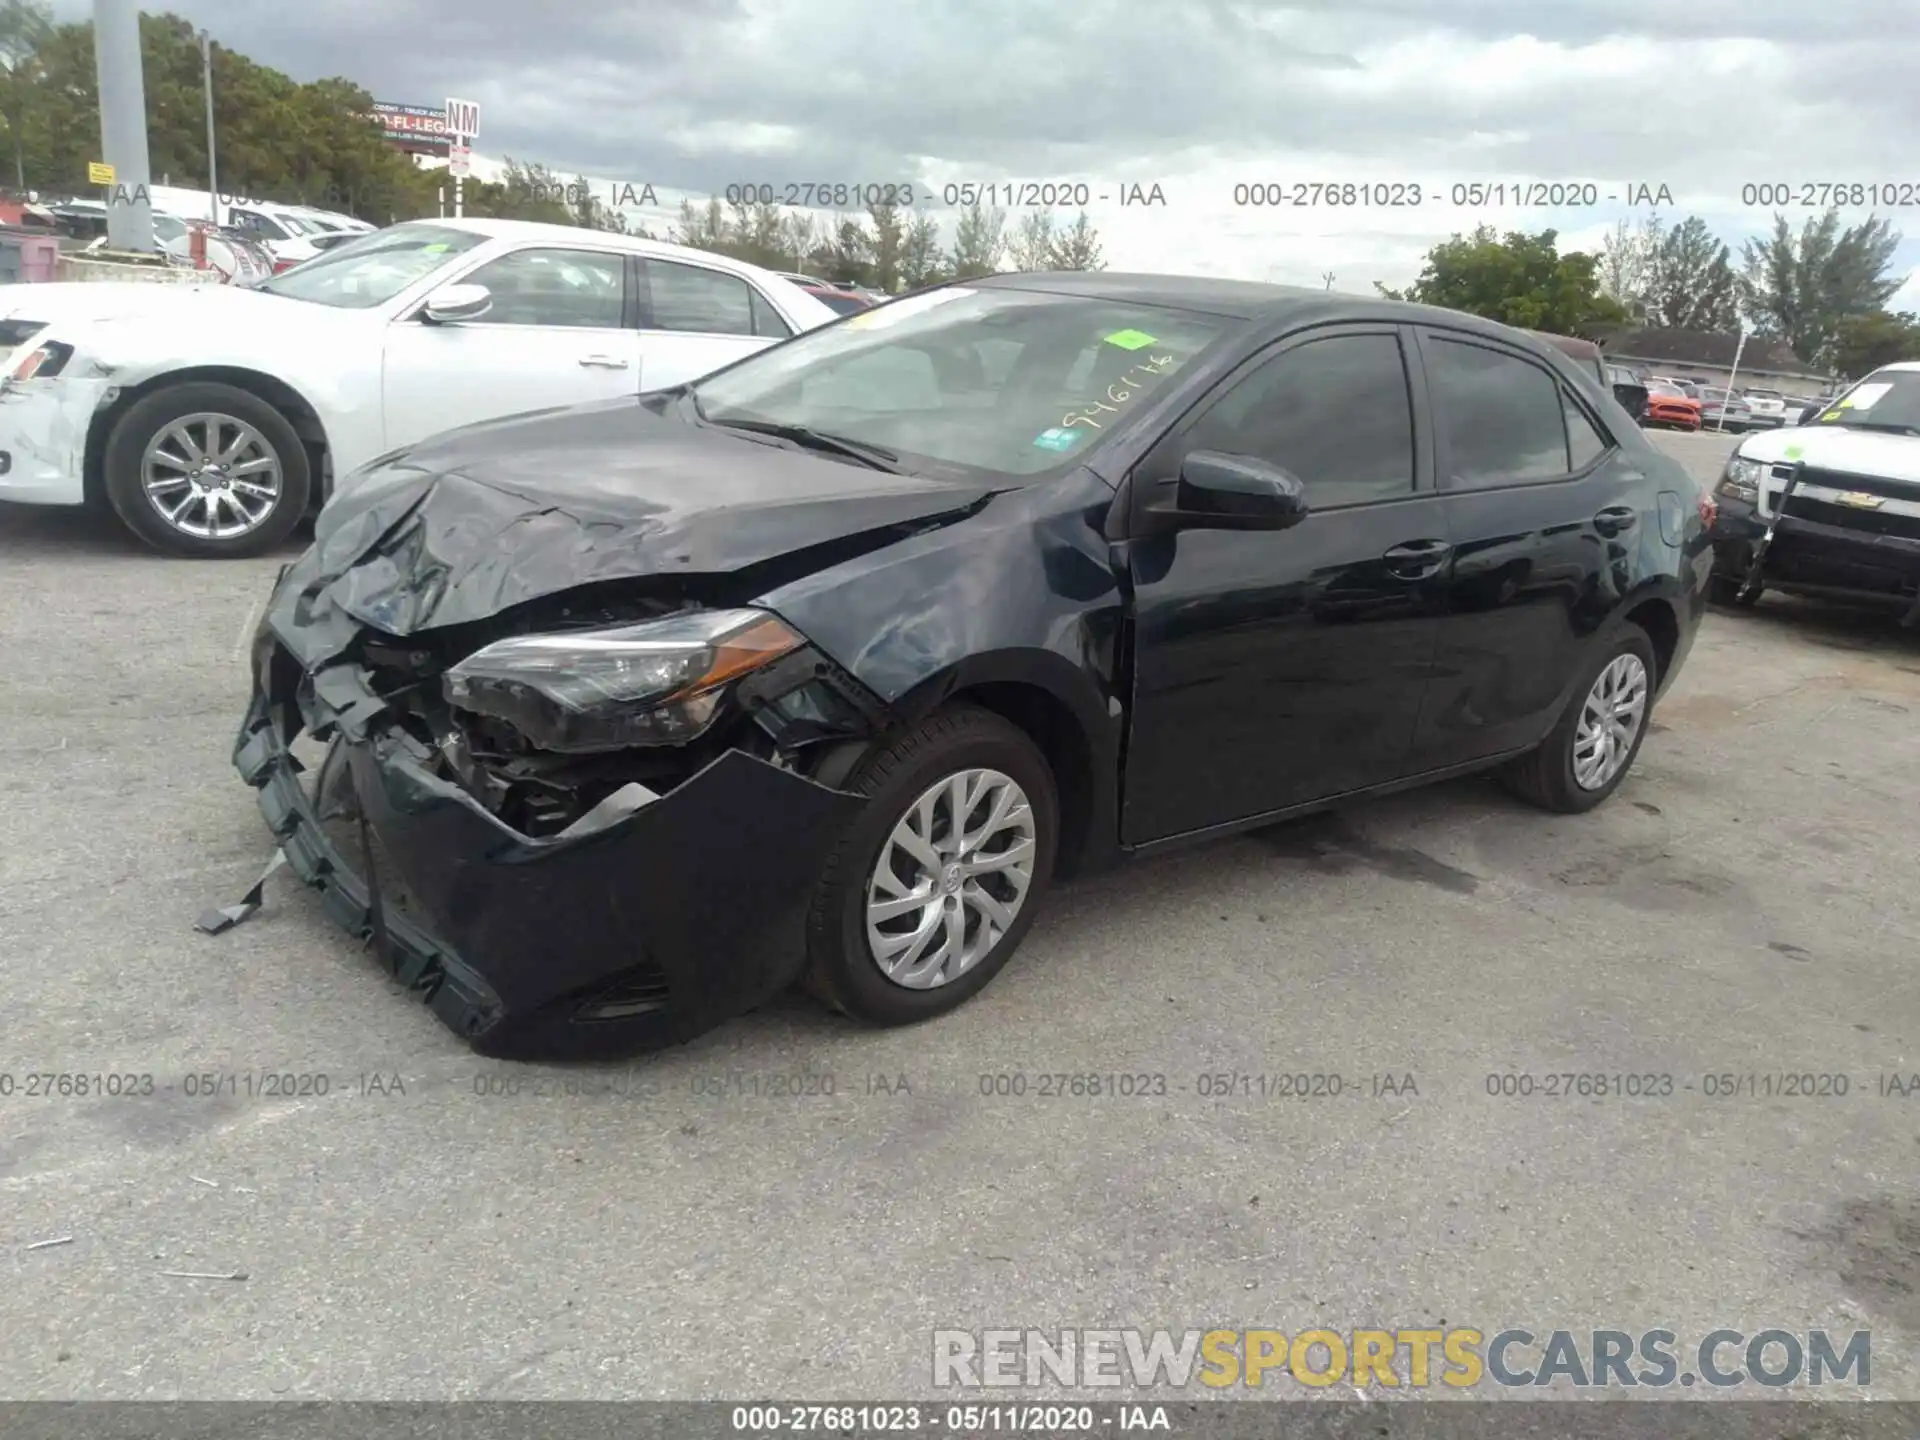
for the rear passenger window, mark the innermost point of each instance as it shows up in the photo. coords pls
(1503, 418)
(1584, 445)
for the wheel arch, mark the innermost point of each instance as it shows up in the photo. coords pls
(1057, 708)
(299, 411)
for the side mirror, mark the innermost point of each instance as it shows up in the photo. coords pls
(451, 304)
(1234, 492)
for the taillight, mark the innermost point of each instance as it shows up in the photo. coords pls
(280, 265)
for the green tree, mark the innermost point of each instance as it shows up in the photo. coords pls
(1689, 284)
(921, 260)
(979, 241)
(1517, 279)
(889, 239)
(1031, 245)
(1078, 248)
(1800, 288)
(1863, 343)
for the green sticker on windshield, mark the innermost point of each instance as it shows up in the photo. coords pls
(439, 247)
(1794, 452)
(1832, 415)
(1130, 339)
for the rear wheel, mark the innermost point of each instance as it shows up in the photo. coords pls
(1593, 746)
(208, 471)
(933, 888)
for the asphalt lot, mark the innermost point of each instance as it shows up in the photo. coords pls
(1745, 904)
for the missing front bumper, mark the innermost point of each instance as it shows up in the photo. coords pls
(670, 921)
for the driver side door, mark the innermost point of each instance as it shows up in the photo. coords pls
(1272, 669)
(561, 331)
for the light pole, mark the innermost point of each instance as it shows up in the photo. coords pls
(213, 171)
(123, 122)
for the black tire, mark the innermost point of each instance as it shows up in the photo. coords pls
(840, 967)
(1725, 590)
(1544, 775)
(147, 416)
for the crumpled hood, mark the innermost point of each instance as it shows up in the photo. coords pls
(491, 516)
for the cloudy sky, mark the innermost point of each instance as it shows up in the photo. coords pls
(1195, 96)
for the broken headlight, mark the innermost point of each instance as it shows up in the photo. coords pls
(657, 683)
(42, 361)
(1742, 479)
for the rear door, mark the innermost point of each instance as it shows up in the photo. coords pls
(559, 332)
(694, 319)
(1542, 542)
(1276, 668)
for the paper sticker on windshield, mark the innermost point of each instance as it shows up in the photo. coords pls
(1129, 339)
(1794, 452)
(1865, 398)
(439, 247)
(1834, 415)
(894, 311)
(1058, 438)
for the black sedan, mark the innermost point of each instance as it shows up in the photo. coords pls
(825, 667)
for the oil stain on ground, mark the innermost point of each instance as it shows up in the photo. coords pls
(1873, 1247)
(1333, 846)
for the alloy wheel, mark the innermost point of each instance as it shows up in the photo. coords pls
(951, 878)
(211, 476)
(1610, 722)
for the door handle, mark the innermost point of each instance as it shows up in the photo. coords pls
(1417, 559)
(603, 362)
(1614, 519)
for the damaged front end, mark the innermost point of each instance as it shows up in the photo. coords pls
(589, 825)
(577, 786)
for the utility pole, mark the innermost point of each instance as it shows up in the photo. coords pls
(213, 171)
(123, 122)
(1328, 277)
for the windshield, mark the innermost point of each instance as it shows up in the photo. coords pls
(959, 380)
(166, 228)
(376, 267)
(1661, 387)
(1885, 400)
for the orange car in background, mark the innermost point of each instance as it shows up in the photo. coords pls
(1669, 405)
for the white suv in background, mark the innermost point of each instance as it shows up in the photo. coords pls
(1769, 408)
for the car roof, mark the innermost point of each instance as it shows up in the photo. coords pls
(1253, 300)
(611, 239)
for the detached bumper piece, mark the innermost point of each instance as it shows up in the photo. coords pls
(646, 932)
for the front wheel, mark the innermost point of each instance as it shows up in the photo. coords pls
(1593, 746)
(934, 886)
(207, 471)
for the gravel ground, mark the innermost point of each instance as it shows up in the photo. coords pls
(1744, 905)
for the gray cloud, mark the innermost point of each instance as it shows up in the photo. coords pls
(697, 94)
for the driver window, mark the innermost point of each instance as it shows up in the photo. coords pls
(1335, 412)
(580, 289)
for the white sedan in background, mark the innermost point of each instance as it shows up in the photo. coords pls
(213, 418)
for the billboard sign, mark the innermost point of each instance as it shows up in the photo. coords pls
(413, 127)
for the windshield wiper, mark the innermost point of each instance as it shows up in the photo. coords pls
(876, 456)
